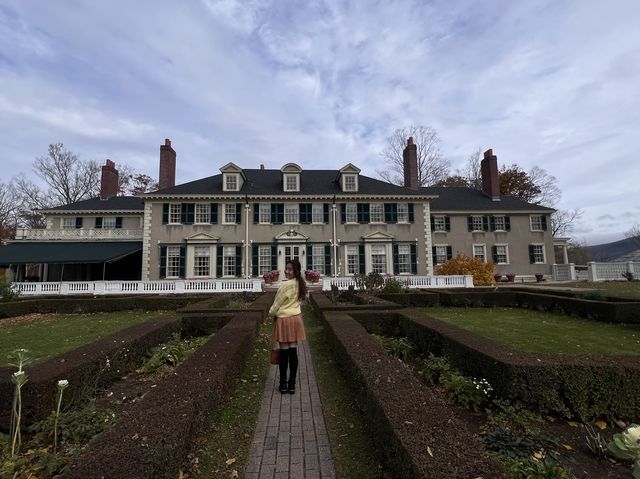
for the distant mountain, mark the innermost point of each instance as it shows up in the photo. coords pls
(613, 251)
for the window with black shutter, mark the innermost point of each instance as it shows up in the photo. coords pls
(396, 259)
(327, 260)
(183, 250)
(239, 259)
(361, 259)
(214, 213)
(411, 213)
(363, 213)
(254, 259)
(274, 257)
(239, 213)
(447, 223)
(277, 213)
(188, 211)
(256, 214)
(304, 212)
(343, 213)
(390, 213)
(414, 258)
(163, 262)
(98, 223)
(165, 213)
(79, 222)
(325, 211)
(118, 222)
(219, 251)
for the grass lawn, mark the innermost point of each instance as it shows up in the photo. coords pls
(536, 331)
(50, 335)
(620, 289)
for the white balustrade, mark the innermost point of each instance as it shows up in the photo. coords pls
(411, 282)
(564, 272)
(78, 234)
(612, 271)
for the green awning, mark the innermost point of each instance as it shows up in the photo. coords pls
(54, 252)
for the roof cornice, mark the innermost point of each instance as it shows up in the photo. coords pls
(290, 196)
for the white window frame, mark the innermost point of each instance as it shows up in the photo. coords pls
(108, 222)
(68, 223)
(352, 251)
(175, 212)
(351, 217)
(379, 210)
(231, 182)
(349, 182)
(439, 224)
(373, 253)
(544, 253)
(229, 254)
(404, 259)
(264, 259)
(506, 252)
(264, 213)
(293, 211)
(296, 182)
(475, 219)
(531, 220)
(503, 227)
(484, 251)
(440, 247)
(202, 213)
(202, 254)
(318, 263)
(403, 213)
(317, 213)
(173, 262)
(230, 211)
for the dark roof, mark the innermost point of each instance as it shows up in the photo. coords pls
(55, 252)
(459, 198)
(115, 203)
(269, 182)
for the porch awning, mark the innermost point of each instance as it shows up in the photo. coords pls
(66, 253)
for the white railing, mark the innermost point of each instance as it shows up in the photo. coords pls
(78, 234)
(564, 272)
(612, 271)
(101, 288)
(411, 282)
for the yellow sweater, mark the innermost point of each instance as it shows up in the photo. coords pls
(286, 302)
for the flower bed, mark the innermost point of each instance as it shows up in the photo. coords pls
(325, 304)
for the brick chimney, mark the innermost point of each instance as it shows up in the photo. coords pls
(108, 181)
(490, 177)
(410, 164)
(167, 176)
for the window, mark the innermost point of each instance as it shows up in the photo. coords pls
(317, 213)
(404, 259)
(230, 213)
(175, 213)
(265, 213)
(318, 258)
(201, 261)
(537, 253)
(536, 223)
(350, 183)
(479, 252)
(231, 182)
(502, 256)
(403, 213)
(68, 223)
(229, 261)
(477, 223)
(353, 263)
(379, 258)
(351, 213)
(203, 213)
(376, 213)
(290, 182)
(291, 213)
(499, 223)
(264, 259)
(173, 261)
(441, 254)
(439, 223)
(109, 222)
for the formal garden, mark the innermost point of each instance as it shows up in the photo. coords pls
(511, 382)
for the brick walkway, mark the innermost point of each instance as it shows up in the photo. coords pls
(291, 438)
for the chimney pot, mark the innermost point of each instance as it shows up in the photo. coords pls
(167, 142)
(490, 176)
(261, 166)
(109, 180)
(410, 164)
(167, 175)
(410, 141)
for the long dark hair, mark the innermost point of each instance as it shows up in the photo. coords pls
(297, 274)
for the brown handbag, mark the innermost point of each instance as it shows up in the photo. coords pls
(275, 356)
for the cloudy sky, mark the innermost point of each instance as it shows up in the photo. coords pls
(322, 83)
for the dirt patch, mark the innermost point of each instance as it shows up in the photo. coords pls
(27, 318)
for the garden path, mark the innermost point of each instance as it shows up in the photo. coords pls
(291, 438)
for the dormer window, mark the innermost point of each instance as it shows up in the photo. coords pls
(231, 182)
(350, 183)
(291, 182)
(232, 177)
(348, 178)
(291, 177)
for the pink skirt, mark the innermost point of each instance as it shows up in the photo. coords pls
(289, 329)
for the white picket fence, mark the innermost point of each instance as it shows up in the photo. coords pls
(596, 271)
(101, 288)
(411, 282)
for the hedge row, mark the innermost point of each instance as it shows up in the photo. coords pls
(405, 416)
(85, 368)
(412, 298)
(586, 386)
(153, 437)
(325, 304)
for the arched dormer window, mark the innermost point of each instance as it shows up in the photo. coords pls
(291, 177)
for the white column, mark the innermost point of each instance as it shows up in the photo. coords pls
(335, 241)
(565, 255)
(572, 271)
(592, 273)
(247, 244)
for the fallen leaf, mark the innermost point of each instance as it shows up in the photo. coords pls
(429, 451)
(408, 423)
(538, 456)
(180, 474)
(202, 439)
(230, 461)
(233, 474)
(573, 423)
(567, 447)
(601, 424)
(620, 424)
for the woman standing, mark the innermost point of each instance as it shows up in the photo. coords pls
(289, 328)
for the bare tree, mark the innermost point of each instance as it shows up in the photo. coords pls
(550, 192)
(9, 207)
(563, 221)
(634, 234)
(578, 253)
(472, 171)
(432, 167)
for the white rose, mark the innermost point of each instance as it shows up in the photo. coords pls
(63, 383)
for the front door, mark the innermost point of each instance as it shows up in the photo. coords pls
(288, 252)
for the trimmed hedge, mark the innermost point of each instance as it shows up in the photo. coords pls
(420, 299)
(85, 368)
(406, 416)
(320, 300)
(153, 437)
(586, 386)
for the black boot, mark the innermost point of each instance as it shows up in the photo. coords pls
(282, 364)
(293, 369)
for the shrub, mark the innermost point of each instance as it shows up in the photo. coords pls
(434, 368)
(462, 264)
(171, 353)
(466, 392)
(393, 286)
(628, 275)
(7, 293)
(536, 469)
(400, 348)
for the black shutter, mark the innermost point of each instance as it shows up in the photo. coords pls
(411, 213)
(79, 222)
(254, 260)
(325, 213)
(182, 261)
(363, 213)
(219, 262)
(277, 213)
(447, 223)
(396, 259)
(304, 212)
(492, 223)
(98, 224)
(470, 223)
(485, 223)
(187, 213)
(163, 262)
(390, 213)
(118, 222)
(274, 257)
(239, 259)
(256, 214)
(239, 213)
(433, 223)
(309, 256)
(543, 220)
(343, 213)
(449, 252)
(434, 256)
(327, 260)
(414, 258)
(494, 254)
(361, 258)
(507, 223)
(214, 214)
(532, 256)
(165, 213)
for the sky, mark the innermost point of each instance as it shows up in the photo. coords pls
(324, 83)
